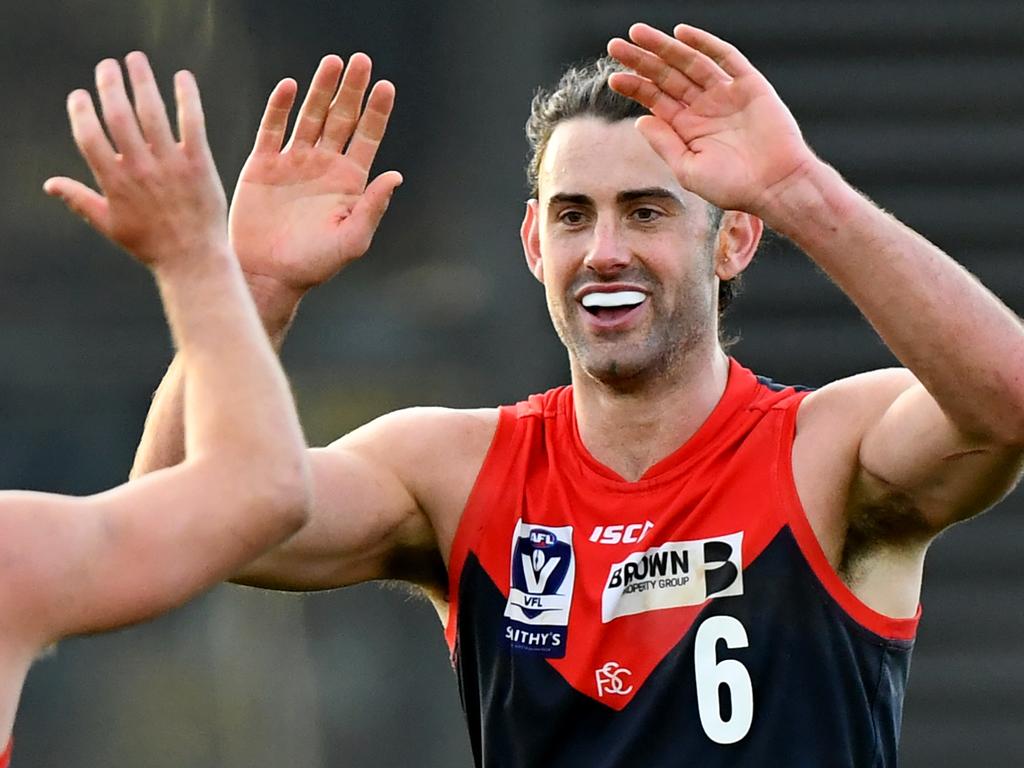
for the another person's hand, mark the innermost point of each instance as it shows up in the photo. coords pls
(161, 197)
(716, 120)
(302, 212)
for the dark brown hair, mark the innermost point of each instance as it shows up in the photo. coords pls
(583, 91)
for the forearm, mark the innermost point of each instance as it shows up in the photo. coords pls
(962, 343)
(163, 438)
(236, 400)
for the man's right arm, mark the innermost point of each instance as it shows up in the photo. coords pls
(388, 499)
(387, 496)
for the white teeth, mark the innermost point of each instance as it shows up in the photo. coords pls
(613, 299)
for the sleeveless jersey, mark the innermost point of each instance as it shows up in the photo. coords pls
(687, 618)
(5, 758)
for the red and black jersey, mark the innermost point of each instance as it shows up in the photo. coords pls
(687, 618)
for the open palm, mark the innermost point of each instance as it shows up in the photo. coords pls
(715, 119)
(302, 212)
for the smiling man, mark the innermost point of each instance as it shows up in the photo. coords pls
(671, 559)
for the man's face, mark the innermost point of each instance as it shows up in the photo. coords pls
(625, 253)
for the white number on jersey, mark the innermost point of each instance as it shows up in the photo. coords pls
(711, 674)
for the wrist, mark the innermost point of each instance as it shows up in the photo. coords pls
(195, 263)
(812, 205)
(276, 303)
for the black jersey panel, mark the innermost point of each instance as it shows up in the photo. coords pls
(826, 692)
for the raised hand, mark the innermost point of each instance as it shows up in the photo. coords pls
(302, 212)
(715, 119)
(160, 197)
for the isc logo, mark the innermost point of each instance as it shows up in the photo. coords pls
(621, 534)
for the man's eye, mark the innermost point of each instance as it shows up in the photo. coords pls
(646, 214)
(571, 217)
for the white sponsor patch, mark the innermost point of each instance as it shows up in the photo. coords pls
(543, 572)
(675, 574)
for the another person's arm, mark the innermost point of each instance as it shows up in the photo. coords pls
(301, 211)
(936, 444)
(71, 565)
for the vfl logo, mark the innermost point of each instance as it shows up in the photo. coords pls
(540, 589)
(539, 566)
(675, 574)
(610, 679)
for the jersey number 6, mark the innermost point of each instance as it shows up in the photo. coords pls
(711, 674)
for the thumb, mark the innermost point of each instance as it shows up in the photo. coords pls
(375, 200)
(79, 199)
(665, 141)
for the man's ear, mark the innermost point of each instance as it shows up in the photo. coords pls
(738, 236)
(529, 233)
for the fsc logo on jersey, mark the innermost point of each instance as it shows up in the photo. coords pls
(540, 590)
(675, 574)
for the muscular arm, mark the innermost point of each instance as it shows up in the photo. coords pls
(385, 495)
(388, 501)
(942, 442)
(74, 565)
(948, 438)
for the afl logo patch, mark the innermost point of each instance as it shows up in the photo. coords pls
(540, 589)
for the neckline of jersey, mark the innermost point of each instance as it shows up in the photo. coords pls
(740, 389)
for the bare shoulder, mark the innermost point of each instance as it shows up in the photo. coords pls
(435, 452)
(831, 423)
(435, 437)
(853, 401)
(830, 426)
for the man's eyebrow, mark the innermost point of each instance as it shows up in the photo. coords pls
(629, 195)
(570, 198)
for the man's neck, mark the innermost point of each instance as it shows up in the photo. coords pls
(631, 432)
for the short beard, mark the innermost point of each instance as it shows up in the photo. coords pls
(672, 339)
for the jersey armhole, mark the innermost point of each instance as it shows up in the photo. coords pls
(473, 517)
(886, 627)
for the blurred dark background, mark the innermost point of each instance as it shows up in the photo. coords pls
(919, 104)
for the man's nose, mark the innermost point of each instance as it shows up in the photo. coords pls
(608, 252)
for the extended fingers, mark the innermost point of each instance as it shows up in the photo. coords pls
(148, 105)
(310, 122)
(374, 121)
(666, 77)
(274, 123)
(88, 134)
(117, 110)
(191, 122)
(726, 55)
(347, 105)
(642, 90)
(691, 62)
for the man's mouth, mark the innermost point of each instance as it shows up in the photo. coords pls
(611, 305)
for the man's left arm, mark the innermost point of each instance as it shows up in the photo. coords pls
(947, 438)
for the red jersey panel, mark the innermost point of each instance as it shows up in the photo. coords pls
(671, 594)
